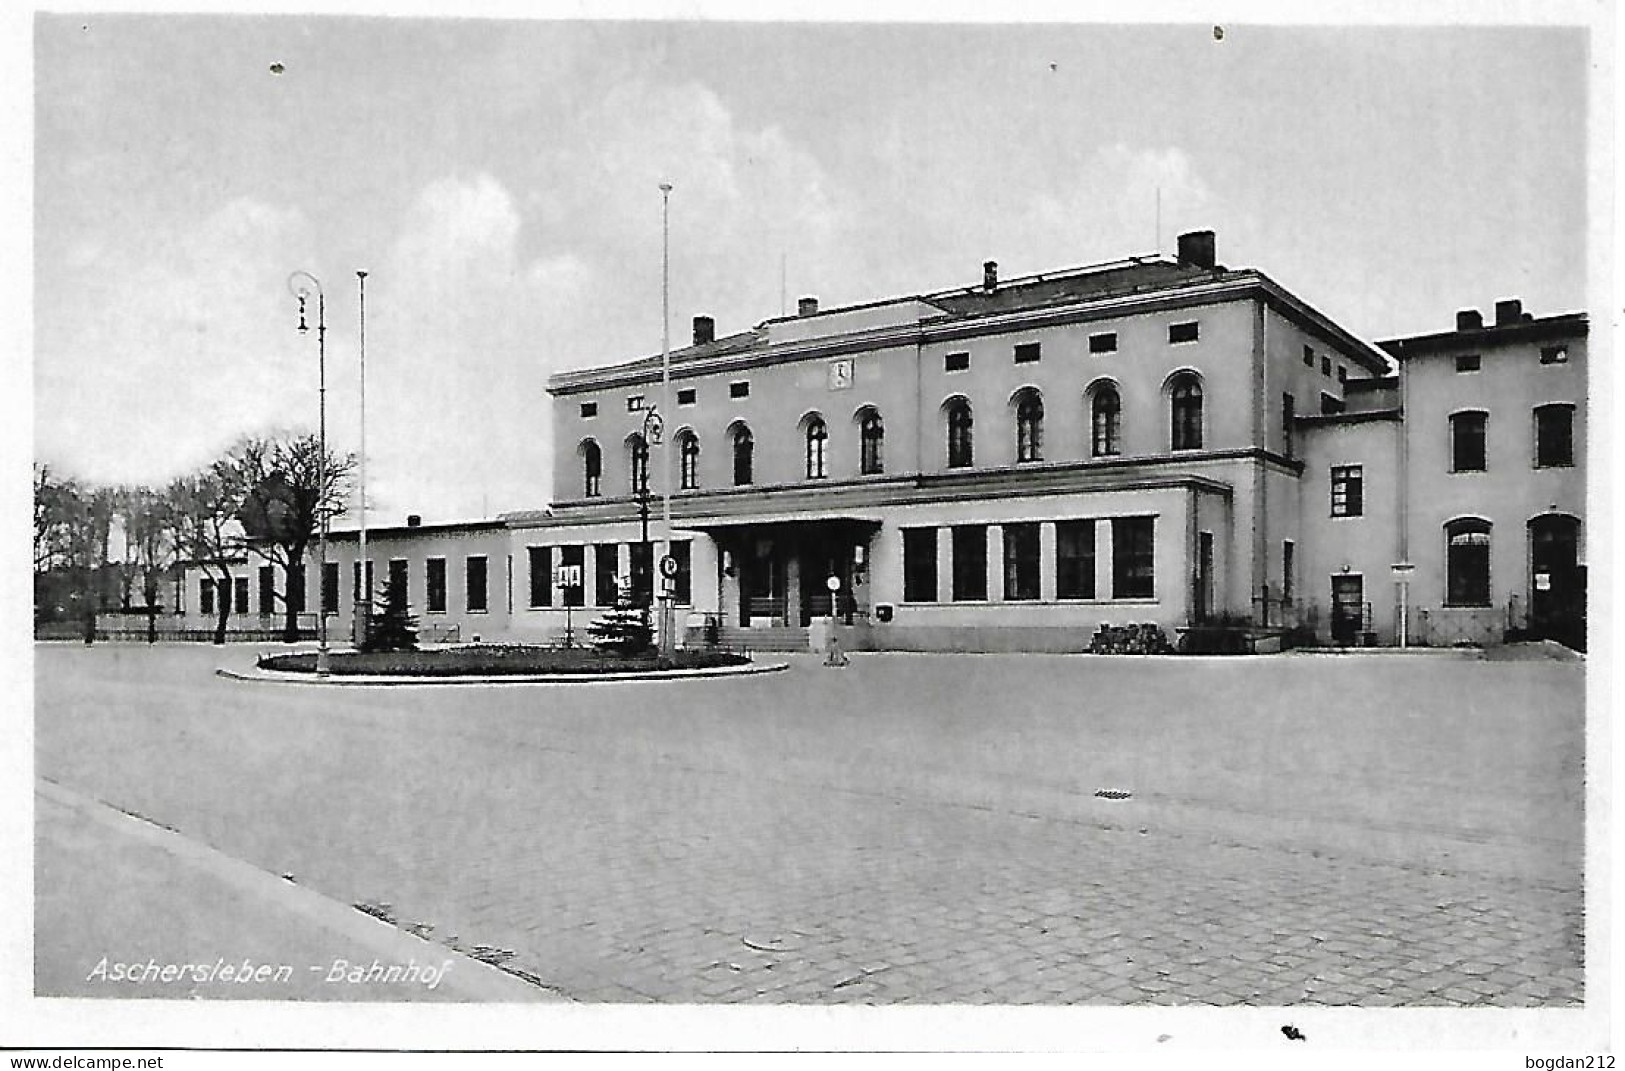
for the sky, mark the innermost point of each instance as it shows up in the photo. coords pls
(498, 181)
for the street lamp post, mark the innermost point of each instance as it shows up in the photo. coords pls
(300, 283)
(667, 640)
(364, 605)
(653, 428)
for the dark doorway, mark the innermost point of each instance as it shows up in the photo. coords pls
(1557, 594)
(1348, 609)
(1204, 576)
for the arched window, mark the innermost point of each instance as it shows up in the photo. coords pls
(960, 453)
(1467, 562)
(689, 457)
(1105, 418)
(743, 446)
(1029, 426)
(817, 441)
(872, 442)
(592, 469)
(1185, 405)
(638, 463)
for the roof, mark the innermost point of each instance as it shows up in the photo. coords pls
(443, 528)
(1564, 325)
(1120, 279)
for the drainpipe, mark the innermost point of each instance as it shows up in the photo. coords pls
(1261, 376)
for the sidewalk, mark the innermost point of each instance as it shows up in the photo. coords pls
(127, 909)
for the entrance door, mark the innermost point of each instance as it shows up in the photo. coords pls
(1557, 584)
(1348, 604)
(761, 581)
(1204, 576)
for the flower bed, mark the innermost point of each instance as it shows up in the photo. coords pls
(496, 661)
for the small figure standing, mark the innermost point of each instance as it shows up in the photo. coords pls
(837, 657)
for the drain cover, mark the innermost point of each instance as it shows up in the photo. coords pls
(1112, 794)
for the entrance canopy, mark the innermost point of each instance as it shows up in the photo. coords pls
(726, 525)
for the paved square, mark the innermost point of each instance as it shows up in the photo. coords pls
(1301, 829)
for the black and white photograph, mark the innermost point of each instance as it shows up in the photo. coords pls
(693, 528)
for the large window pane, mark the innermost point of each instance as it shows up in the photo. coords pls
(919, 565)
(1021, 562)
(970, 562)
(1133, 558)
(1075, 559)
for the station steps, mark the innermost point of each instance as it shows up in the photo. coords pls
(783, 639)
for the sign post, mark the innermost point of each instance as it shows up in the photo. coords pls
(568, 579)
(668, 574)
(1402, 576)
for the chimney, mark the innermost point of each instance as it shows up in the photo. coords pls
(990, 275)
(1196, 248)
(1509, 311)
(1469, 320)
(414, 520)
(705, 330)
(807, 306)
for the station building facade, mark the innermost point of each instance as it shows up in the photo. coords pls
(1010, 465)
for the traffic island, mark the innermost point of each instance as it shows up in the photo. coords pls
(492, 663)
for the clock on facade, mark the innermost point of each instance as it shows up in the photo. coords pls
(840, 373)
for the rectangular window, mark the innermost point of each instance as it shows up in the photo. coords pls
(1185, 332)
(1325, 366)
(682, 585)
(1027, 352)
(205, 597)
(589, 409)
(296, 589)
(434, 585)
(1468, 362)
(955, 362)
(1106, 342)
(267, 590)
(541, 576)
(1348, 491)
(476, 583)
(970, 562)
(1554, 436)
(919, 565)
(1021, 562)
(355, 583)
(686, 396)
(574, 558)
(397, 579)
(1467, 434)
(641, 568)
(241, 586)
(1074, 559)
(634, 403)
(606, 563)
(1289, 416)
(739, 389)
(330, 588)
(1342, 374)
(1554, 354)
(1309, 356)
(1134, 552)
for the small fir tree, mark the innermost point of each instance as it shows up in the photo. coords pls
(624, 629)
(391, 627)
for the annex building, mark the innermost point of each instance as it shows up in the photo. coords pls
(1011, 464)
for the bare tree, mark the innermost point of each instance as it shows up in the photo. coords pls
(149, 527)
(205, 531)
(287, 493)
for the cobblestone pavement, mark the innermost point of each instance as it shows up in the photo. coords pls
(1299, 830)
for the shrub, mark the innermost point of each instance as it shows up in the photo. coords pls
(392, 627)
(625, 629)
